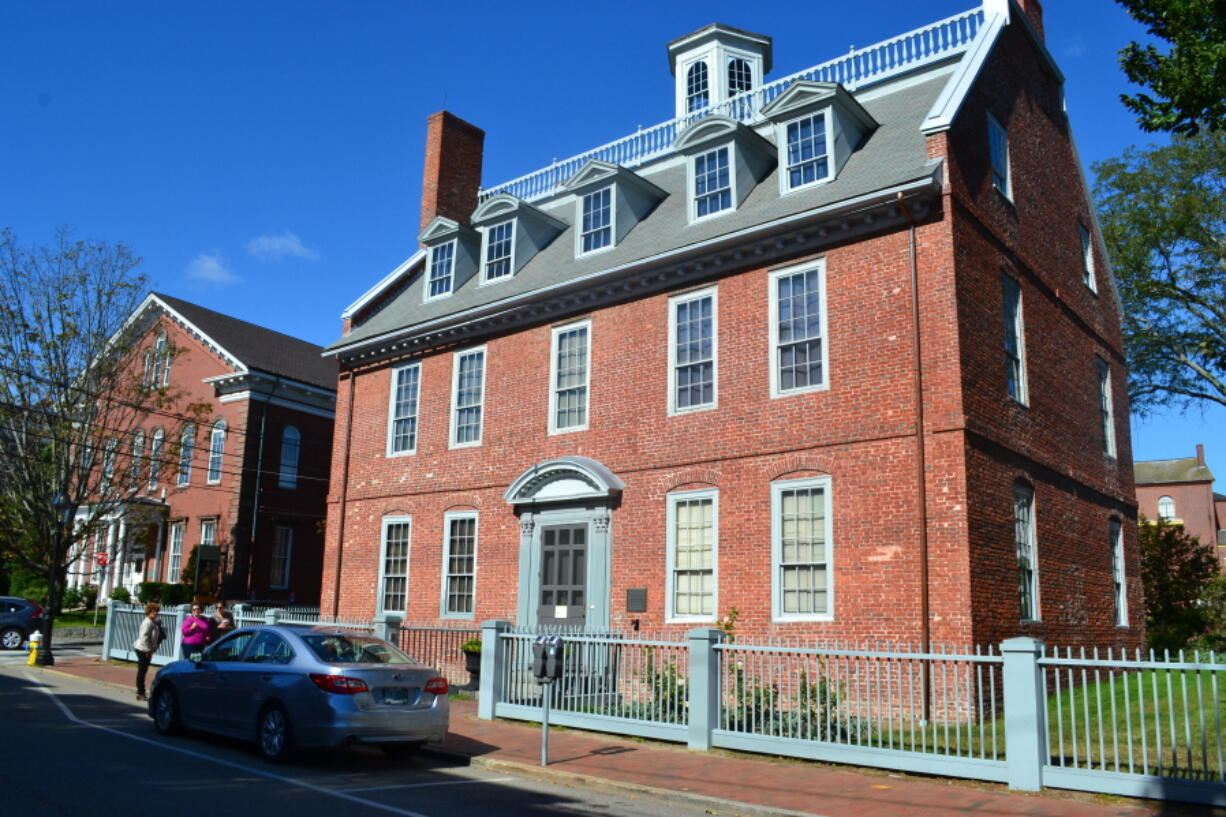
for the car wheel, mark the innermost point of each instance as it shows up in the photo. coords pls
(166, 712)
(275, 735)
(11, 638)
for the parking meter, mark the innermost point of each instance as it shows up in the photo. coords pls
(547, 658)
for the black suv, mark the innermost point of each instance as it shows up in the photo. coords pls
(18, 618)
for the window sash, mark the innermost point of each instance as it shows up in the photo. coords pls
(499, 240)
(291, 448)
(802, 555)
(1027, 555)
(998, 149)
(693, 347)
(692, 555)
(138, 456)
(217, 442)
(155, 457)
(1105, 409)
(282, 550)
(442, 258)
(186, 450)
(406, 390)
(597, 232)
(208, 532)
(571, 377)
(808, 158)
(696, 87)
(1015, 370)
(798, 331)
(740, 76)
(1119, 594)
(460, 567)
(175, 558)
(469, 397)
(394, 567)
(712, 183)
(1087, 257)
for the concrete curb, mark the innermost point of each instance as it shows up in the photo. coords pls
(712, 805)
(99, 681)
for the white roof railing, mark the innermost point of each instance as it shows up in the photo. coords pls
(858, 68)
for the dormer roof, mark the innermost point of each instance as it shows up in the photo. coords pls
(444, 229)
(721, 129)
(809, 95)
(597, 174)
(505, 206)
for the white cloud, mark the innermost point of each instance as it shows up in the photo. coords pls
(210, 268)
(276, 247)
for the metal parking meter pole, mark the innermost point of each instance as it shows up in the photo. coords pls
(547, 658)
(545, 696)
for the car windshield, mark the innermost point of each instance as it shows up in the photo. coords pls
(354, 648)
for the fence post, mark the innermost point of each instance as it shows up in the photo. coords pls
(107, 629)
(387, 627)
(272, 615)
(703, 683)
(493, 657)
(180, 614)
(1025, 713)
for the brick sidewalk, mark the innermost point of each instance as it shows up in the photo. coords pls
(800, 786)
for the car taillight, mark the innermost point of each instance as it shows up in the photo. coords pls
(437, 685)
(339, 684)
(38, 609)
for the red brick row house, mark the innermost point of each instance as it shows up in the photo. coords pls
(840, 351)
(1180, 491)
(249, 476)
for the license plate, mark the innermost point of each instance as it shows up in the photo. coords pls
(395, 695)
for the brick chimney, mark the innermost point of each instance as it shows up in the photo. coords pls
(1200, 455)
(1034, 12)
(452, 172)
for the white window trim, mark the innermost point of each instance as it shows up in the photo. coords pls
(781, 139)
(1019, 327)
(1034, 549)
(579, 251)
(155, 458)
(217, 450)
(485, 240)
(211, 523)
(391, 411)
(772, 299)
(289, 559)
(1173, 515)
(455, 393)
(1086, 239)
(172, 558)
(671, 553)
(1106, 404)
(692, 177)
(1007, 192)
(693, 295)
(777, 489)
(446, 548)
(1119, 574)
(183, 475)
(553, 377)
(425, 289)
(386, 522)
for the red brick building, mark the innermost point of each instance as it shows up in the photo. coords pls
(840, 351)
(1181, 491)
(250, 479)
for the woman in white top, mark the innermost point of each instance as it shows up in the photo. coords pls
(146, 643)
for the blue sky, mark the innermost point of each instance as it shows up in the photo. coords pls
(265, 158)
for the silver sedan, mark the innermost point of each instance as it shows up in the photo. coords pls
(284, 686)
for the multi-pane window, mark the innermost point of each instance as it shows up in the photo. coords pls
(712, 183)
(402, 426)
(1166, 508)
(217, 442)
(692, 351)
(469, 397)
(796, 330)
(147, 377)
(460, 565)
(692, 537)
(696, 97)
(394, 566)
(740, 77)
(187, 447)
(1106, 413)
(498, 243)
(208, 532)
(597, 230)
(1119, 590)
(801, 533)
(1015, 340)
(1027, 552)
(108, 462)
(998, 151)
(568, 398)
(155, 457)
(159, 359)
(808, 160)
(291, 446)
(1087, 258)
(282, 552)
(138, 456)
(442, 259)
(174, 559)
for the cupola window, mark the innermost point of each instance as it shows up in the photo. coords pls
(696, 87)
(740, 76)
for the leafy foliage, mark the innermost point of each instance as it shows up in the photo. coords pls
(1189, 82)
(1176, 570)
(121, 594)
(1164, 224)
(1212, 608)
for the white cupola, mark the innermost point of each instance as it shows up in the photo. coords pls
(714, 64)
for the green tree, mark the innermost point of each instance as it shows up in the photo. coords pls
(1176, 570)
(72, 397)
(1164, 223)
(1189, 82)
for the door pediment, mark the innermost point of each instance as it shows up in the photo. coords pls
(565, 479)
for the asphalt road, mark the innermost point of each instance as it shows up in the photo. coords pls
(72, 748)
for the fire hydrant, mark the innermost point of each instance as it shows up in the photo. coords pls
(36, 639)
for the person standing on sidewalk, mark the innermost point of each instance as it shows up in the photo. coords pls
(223, 619)
(146, 643)
(195, 632)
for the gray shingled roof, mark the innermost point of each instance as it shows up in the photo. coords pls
(893, 155)
(1186, 469)
(261, 349)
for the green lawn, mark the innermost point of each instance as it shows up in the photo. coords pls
(80, 618)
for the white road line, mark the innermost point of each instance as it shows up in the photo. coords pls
(246, 769)
(434, 783)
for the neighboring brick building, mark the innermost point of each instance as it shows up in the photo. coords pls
(254, 478)
(643, 394)
(1181, 491)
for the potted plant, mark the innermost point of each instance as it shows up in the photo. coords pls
(472, 659)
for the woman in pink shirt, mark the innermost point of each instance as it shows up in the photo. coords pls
(196, 630)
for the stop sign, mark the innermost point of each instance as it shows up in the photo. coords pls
(102, 559)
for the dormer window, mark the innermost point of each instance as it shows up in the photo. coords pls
(712, 184)
(808, 161)
(442, 261)
(696, 88)
(499, 240)
(740, 76)
(597, 230)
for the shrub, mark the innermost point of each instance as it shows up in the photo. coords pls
(1176, 569)
(472, 645)
(89, 596)
(176, 593)
(71, 599)
(121, 594)
(149, 591)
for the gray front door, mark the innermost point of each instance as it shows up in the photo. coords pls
(563, 576)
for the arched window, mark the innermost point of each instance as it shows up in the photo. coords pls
(108, 462)
(138, 453)
(159, 359)
(155, 458)
(187, 448)
(217, 441)
(291, 440)
(1166, 508)
(147, 378)
(696, 97)
(740, 77)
